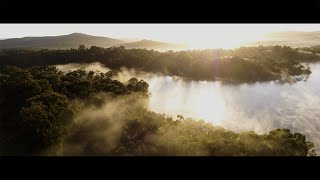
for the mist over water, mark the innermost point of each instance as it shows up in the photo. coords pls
(260, 107)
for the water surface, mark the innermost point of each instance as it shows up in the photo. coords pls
(260, 107)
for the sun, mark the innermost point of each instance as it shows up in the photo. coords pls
(224, 39)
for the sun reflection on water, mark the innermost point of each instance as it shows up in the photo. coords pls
(199, 100)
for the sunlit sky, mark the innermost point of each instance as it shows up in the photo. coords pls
(192, 35)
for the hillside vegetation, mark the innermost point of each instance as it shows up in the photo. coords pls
(240, 65)
(44, 111)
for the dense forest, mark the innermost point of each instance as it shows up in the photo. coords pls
(313, 49)
(245, 64)
(44, 111)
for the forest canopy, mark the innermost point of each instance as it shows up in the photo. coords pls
(44, 111)
(245, 64)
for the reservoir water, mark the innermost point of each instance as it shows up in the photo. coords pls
(260, 107)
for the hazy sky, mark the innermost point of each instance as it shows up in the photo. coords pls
(192, 34)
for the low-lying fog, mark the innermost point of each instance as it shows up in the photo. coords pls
(260, 107)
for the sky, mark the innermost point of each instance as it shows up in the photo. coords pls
(193, 35)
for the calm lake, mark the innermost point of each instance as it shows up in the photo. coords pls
(260, 107)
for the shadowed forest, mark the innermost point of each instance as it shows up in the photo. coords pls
(51, 104)
(45, 111)
(245, 64)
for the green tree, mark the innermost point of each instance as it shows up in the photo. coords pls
(82, 48)
(47, 117)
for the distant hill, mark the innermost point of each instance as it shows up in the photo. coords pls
(76, 39)
(293, 39)
(59, 42)
(294, 34)
(149, 44)
(127, 40)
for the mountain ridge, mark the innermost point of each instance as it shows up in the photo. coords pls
(73, 40)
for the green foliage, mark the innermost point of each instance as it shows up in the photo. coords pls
(149, 133)
(137, 86)
(245, 64)
(314, 51)
(36, 103)
(47, 116)
(38, 110)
